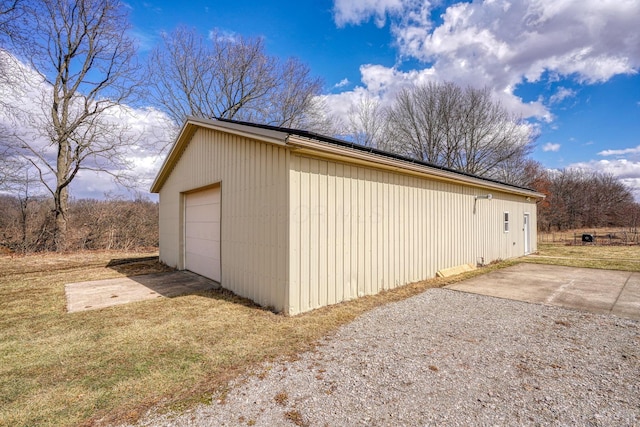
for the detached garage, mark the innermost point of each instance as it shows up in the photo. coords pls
(295, 220)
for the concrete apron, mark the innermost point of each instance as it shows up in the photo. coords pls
(597, 291)
(96, 294)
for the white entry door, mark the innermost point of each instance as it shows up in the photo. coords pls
(202, 233)
(527, 235)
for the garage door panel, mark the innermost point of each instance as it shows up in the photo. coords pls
(203, 230)
(202, 233)
(204, 248)
(203, 197)
(205, 266)
(205, 213)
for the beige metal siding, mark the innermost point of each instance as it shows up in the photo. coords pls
(356, 230)
(254, 211)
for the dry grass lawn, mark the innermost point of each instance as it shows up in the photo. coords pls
(109, 365)
(105, 366)
(593, 256)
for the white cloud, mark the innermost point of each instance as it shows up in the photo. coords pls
(550, 146)
(561, 94)
(507, 40)
(622, 152)
(385, 82)
(501, 44)
(342, 83)
(628, 172)
(359, 11)
(224, 35)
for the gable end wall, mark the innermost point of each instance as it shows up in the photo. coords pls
(254, 211)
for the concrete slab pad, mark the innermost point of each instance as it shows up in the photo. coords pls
(597, 291)
(96, 294)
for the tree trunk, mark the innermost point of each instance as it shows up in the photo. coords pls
(61, 196)
(61, 200)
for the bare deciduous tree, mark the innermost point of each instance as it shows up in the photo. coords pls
(228, 77)
(366, 122)
(462, 129)
(86, 66)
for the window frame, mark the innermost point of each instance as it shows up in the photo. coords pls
(505, 222)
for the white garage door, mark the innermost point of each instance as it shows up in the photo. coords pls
(202, 233)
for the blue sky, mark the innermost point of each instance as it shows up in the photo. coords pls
(569, 67)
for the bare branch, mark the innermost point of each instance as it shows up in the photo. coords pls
(231, 78)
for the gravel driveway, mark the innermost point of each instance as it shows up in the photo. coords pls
(447, 358)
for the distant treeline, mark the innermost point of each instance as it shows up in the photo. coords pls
(27, 225)
(575, 199)
(583, 199)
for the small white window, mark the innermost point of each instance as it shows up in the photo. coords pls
(506, 222)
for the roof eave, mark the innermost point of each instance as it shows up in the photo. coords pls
(337, 151)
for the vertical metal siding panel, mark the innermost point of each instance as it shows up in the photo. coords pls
(417, 232)
(332, 210)
(340, 232)
(347, 201)
(323, 214)
(417, 237)
(268, 236)
(408, 235)
(247, 276)
(305, 232)
(446, 218)
(359, 248)
(314, 234)
(263, 215)
(417, 228)
(283, 213)
(399, 193)
(378, 244)
(534, 227)
(452, 220)
(404, 236)
(353, 228)
(433, 239)
(367, 245)
(295, 224)
(395, 200)
(386, 241)
(422, 240)
(256, 215)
